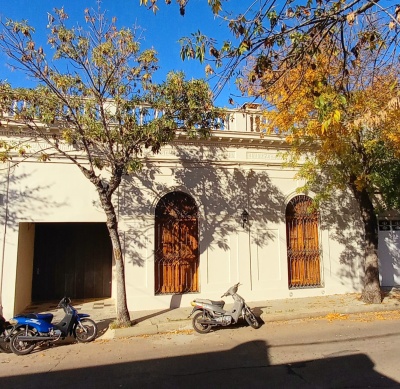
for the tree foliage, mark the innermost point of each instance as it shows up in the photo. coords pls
(276, 35)
(346, 127)
(328, 71)
(95, 93)
(352, 118)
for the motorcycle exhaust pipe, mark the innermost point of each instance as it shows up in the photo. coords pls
(36, 338)
(208, 322)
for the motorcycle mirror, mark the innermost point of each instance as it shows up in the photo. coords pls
(62, 301)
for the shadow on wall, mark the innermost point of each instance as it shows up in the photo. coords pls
(389, 257)
(246, 365)
(223, 193)
(340, 217)
(220, 193)
(19, 203)
(174, 304)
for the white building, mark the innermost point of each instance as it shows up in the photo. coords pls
(183, 227)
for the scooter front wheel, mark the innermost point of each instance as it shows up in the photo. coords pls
(85, 331)
(4, 345)
(5, 340)
(251, 318)
(198, 326)
(22, 347)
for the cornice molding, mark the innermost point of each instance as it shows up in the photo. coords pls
(236, 139)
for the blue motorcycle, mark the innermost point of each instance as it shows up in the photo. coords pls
(5, 335)
(36, 329)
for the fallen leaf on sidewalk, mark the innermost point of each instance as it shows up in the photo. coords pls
(185, 332)
(336, 316)
(102, 341)
(371, 316)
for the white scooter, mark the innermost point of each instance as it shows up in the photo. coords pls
(209, 313)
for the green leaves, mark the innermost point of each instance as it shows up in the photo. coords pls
(194, 47)
(107, 106)
(291, 32)
(187, 105)
(153, 5)
(21, 27)
(215, 5)
(273, 18)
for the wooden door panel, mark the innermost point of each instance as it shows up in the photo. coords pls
(302, 244)
(176, 247)
(71, 259)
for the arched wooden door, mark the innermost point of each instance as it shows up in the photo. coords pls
(176, 244)
(302, 243)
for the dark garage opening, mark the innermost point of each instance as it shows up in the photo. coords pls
(71, 259)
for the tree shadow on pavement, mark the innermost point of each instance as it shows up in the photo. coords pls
(246, 365)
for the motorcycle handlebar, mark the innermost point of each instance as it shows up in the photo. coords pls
(64, 301)
(231, 290)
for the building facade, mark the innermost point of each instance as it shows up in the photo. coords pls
(201, 216)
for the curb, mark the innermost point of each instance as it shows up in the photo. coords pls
(272, 317)
(142, 329)
(148, 329)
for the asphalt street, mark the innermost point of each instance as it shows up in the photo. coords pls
(338, 351)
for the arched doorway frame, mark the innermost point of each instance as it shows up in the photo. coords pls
(176, 244)
(304, 259)
(184, 189)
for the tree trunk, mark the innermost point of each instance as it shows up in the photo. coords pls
(123, 318)
(105, 192)
(372, 292)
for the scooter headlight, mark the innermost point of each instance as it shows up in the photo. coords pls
(193, 303)
(13, 322)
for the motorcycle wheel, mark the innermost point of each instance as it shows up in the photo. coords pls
(199, 327)
(251, 319)
(4, 345)
(5, 340)
(21, 347)
(86, 331)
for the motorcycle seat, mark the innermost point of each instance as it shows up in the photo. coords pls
(28, 315)
(220, 303)
(39, 316)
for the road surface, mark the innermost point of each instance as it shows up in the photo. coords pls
(356, 351)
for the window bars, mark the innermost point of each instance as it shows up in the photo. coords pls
(302, 243)
(176, 245)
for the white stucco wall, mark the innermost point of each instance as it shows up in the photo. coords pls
(39, 192)
(389, 257)
(223, 180)
(255, 255)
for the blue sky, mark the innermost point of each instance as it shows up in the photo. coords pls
(161, 30)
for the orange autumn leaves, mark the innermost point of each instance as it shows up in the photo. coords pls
(338, 117)
(317, 100)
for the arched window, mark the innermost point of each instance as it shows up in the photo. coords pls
(176, 244)
(302, 243)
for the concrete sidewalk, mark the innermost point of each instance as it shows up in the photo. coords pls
(153, 322)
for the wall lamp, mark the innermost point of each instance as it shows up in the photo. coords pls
(244, 217)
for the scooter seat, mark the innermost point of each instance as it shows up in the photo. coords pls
(40, 316)
(45, 316)
(28, 315)
(220, 303)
